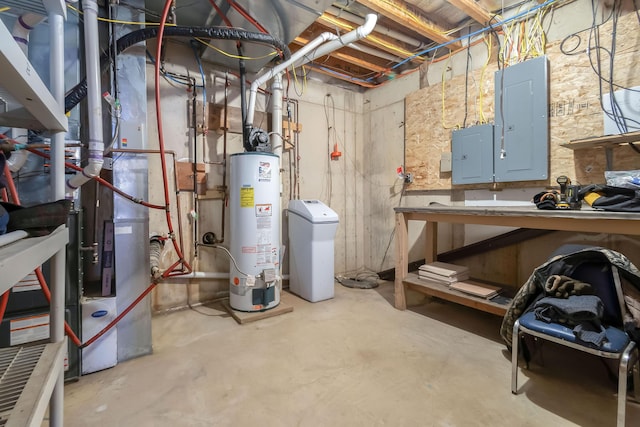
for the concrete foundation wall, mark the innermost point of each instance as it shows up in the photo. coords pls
(362, 186)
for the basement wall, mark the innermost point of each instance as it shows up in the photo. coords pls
(362, 186)
(328, 115)
(388, 140)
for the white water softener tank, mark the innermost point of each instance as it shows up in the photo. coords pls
(312, 228)
(254, 198)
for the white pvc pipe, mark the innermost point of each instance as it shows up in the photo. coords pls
(58, 261)
(23, 27)
(348, 16)
(21, 30)
(208, 275)
(317, 49)
(202, 275)
(359, 33)
(94, 98)
(56, 71)
(269, 74)
(277, 90)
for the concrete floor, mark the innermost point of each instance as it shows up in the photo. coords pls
(351, 361)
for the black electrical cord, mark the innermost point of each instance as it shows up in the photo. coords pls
(495, 34)
(246, 127)
(466, 86)
(616, 114)
(78, 92)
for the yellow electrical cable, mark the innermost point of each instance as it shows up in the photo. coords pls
(4, 9)
(230, 55)
(115, 21)
(295, 80)
(522, 43)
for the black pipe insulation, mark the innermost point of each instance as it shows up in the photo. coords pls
(243, 101)
(79, 91)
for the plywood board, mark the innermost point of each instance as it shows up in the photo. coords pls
(243, 317)
(185, 172)
(574, 113)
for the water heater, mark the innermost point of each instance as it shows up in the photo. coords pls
(254, 198)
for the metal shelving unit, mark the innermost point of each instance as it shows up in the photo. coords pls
(22, 257)
(31, 376)
(27, 101)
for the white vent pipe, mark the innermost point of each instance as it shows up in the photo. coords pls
(348, 16)
(322, 45)
(23, 26)
(94, 97)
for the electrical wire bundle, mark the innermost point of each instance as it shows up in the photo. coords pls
(602, 60)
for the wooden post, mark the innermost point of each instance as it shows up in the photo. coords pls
(402, 260)
(430, 241)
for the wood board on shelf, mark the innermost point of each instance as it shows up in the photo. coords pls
(476, 288)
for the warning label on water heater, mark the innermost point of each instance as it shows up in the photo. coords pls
(246, 197)
(263, 210)
(264, 172)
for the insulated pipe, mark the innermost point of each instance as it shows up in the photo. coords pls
(94, 100)
(155, 252)
(78, 92)
(333, 42)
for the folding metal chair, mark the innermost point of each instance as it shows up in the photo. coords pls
(605, 279)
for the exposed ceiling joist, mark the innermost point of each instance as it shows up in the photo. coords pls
(345, 77)
(473, 9)
(348, 58)
(382, 42)
(399, 12)
(404, 29)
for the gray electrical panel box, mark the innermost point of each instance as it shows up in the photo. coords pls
(521, 134)
(472, 155)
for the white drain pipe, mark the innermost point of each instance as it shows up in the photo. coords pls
(94, 97)
(23, 26)
(315, 48)
(21, 30)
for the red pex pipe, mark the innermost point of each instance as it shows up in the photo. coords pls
(163, 19)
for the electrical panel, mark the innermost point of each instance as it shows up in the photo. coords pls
(472, 155)
(521, 134)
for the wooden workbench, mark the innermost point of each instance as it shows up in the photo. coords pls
(585, 220)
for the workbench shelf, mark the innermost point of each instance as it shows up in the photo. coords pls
(607, 141)
(438, 290)
(585, 220)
